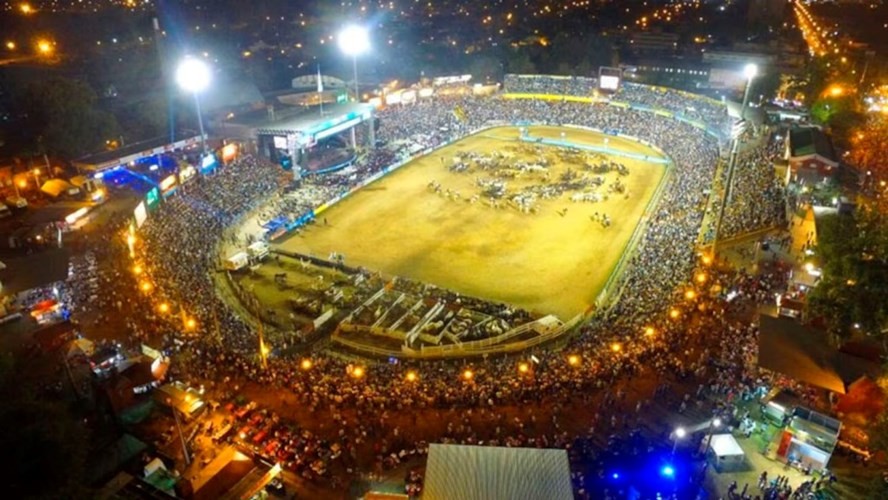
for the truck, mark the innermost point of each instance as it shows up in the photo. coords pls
(237, 261)
(258, 250)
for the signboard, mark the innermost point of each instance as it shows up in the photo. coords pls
(152, 199)
(140, 214)
(208, 162)
(280, 142)
(446, 80)
(168, 183)
(609, 78)
(229, 152)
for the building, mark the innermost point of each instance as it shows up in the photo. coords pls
(811, 156)
(492, 473)
(646, 42)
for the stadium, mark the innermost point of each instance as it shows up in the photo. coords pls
(508, 221)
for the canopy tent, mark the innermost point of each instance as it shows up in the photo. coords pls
(491, 473)
(55, 187)
(81, 346)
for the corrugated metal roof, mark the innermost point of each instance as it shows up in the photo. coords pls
(492, 473)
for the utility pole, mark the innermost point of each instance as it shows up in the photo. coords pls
(179, 430)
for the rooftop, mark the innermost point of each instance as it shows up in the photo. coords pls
(811, 141)
(491, 473)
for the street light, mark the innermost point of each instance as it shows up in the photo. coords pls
(44, 47)
(193, 75)
(715, 423)
(679, 433)
(354, 41)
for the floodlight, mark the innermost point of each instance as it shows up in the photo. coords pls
(193, 75)
(750, 71)
(667, 471)
(354, 40)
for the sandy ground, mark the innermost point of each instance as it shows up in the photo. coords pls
(545, 262)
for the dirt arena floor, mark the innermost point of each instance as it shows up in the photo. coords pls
(553, 262)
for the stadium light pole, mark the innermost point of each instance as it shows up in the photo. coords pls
(193, 75)
(750, 71)
(354, 41)
(679, 433)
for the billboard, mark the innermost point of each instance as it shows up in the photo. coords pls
(152, 199)
(609, 79)
(140, 214)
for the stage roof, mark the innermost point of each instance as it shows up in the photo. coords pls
(305, 121)
(492, 473)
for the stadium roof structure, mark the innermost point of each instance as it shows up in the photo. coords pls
(305, 121)
(103, 160)
(803, 353)
(810, 141)
(493, 473)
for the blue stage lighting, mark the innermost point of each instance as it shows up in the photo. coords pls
(615, 475)
(667, 471)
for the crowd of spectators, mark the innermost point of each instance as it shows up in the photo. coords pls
(653, 327)
(706, 110)
(758, 199)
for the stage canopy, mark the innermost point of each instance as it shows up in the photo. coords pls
(492, 473)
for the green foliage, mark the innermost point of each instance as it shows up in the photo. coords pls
(62, 119)
(519, 62)
(852, 251)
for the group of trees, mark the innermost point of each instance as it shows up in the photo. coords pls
(58, 116)
(853, 253)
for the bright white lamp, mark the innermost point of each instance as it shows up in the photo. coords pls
(750, 71)
(354, 41)
(193, 75)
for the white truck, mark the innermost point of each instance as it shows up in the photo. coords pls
(237, 261)
(258, 250)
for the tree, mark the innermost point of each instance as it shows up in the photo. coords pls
(853, 252)
(869, 147)
(62, 119)
(519, 62)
